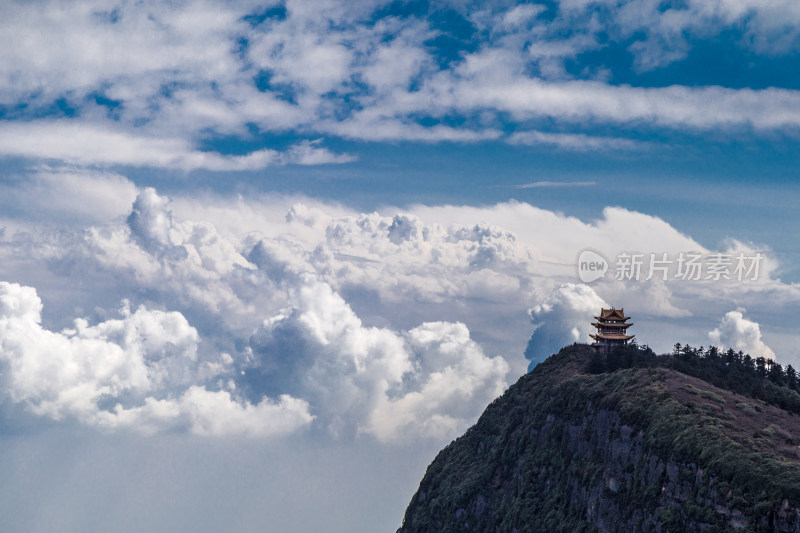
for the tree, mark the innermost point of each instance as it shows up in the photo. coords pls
(791, 376)
(761, 367)
(597, 364)
(775, 372)
(712, 354)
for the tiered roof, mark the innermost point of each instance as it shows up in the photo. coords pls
(612, 314)
(611, 326)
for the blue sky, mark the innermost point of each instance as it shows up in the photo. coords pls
(266, 258)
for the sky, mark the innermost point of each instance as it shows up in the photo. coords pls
(260, 261)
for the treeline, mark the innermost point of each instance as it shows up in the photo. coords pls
(757, 377)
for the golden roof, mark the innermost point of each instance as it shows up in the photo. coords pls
(612, 314)
(611, 325)
(611, 337)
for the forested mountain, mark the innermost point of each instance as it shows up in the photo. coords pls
(696, 440)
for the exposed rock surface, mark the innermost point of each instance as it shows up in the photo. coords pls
(635, 450)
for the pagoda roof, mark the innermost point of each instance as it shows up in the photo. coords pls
(612, 337)
(612, 314)
(612, 325)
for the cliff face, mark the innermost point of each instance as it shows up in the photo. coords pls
(640, 449)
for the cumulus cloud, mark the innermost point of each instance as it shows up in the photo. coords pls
(428, 260)
(739, 333)
(217, 413)
(150, 221)
(655, 298)
(428, 382)
(453, 377)
(386, 382)
(238, 261)
(751, 261)
(238, 277)
(358, 314)
(139, 371)
(558, 239)
(154, 251)
(564, 317)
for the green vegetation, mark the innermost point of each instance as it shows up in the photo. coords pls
(758, 378)
(627, 439)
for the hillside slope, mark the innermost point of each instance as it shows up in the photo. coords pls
(636, 449)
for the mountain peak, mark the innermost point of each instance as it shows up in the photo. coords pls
(627, 442)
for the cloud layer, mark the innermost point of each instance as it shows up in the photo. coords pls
(427, 382)
(149, 84)
(151, 370)
(282, 315)
(137, 371)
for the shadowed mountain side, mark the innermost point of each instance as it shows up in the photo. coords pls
(630, 449)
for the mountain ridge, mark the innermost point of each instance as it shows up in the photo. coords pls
(626, 444)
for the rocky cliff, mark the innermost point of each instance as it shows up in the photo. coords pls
(631, 450)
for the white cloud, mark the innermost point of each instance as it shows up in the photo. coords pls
(317, 62)
(429, 382)
(218, 414)
(145, 83)
(522, 14)
(654, 298)
(201, 272)
(562, 318)
(364, 310)
(150, 220)
(402, 259)
(228, 263)
(190, 261)
(138, 371)
(393, 65)
(664, 33)
(91, 42)
(579, 101)
(762, 265)
(769, 26)
(310, 153)
(93, 144)
(558, 239)
(453, 378)
(388, 128)
(575, 141)
(739, 333)
(64, 195)
(556, 184)
(431, 260)
(237, 275)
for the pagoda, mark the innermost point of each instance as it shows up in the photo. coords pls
(612, 325)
